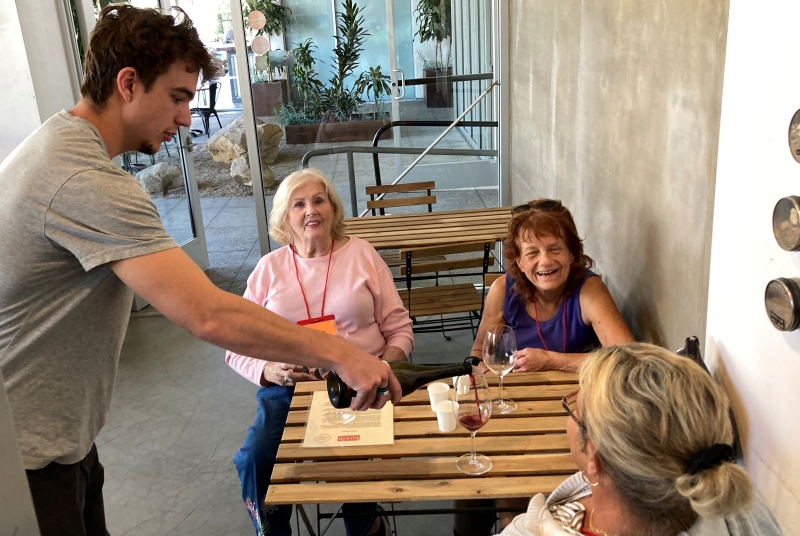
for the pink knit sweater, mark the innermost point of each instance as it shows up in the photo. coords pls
(361, 294)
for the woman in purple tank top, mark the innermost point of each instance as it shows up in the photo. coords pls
(558, 308)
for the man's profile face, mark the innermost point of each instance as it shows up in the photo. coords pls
(154, 116)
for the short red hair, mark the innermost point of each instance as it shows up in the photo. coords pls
(557, 222)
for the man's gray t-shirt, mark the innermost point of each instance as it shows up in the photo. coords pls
(66, 211)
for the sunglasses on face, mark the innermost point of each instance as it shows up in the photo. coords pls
(546, 205)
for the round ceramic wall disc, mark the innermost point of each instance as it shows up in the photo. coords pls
(782, 299)
(786, 223)
(256, 20)
(260, 45)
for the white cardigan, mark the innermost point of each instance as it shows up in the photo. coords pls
(539, 521)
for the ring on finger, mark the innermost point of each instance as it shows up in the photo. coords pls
(383, 391)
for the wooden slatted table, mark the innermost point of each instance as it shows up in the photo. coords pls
(431, 228)
(528, 449)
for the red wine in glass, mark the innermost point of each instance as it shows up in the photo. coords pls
(472, 422)
(473, 409)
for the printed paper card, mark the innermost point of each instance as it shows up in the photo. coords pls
(371, 427)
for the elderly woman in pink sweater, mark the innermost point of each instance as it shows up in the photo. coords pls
(320, 276)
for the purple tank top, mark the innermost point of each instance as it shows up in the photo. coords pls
(580, 337)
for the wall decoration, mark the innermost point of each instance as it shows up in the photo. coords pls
(786, 223)
(782, 299)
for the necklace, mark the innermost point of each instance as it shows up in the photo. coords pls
(595, 529)
(303, 292)
(564, 317)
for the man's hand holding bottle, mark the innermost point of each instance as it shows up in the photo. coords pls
(369, 377)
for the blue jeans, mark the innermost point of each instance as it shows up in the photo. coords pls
(255, 461)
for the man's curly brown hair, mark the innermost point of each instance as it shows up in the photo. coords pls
(147, 40)
(540, 223)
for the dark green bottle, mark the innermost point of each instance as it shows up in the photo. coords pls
(410, 375)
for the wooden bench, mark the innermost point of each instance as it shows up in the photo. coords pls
(405, 188)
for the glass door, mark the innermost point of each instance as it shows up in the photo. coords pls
(168, 175)
(442, 60)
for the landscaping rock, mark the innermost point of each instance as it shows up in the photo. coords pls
(230, 142)
(160, 177)
(240, 171)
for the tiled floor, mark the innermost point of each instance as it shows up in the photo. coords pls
(177, 417)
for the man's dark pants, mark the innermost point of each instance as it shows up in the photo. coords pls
(68, 499)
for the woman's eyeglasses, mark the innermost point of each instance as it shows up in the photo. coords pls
(546, 205)
(570, 403)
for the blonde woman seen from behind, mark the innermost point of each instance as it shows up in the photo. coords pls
(650, 433)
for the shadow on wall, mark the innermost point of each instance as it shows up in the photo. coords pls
(637, 305)
(720, 373)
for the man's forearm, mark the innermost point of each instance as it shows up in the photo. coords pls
(248, 329)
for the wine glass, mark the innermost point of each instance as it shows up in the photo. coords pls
(332, 415)
(339, 416)
(500, 355)
(472, 409)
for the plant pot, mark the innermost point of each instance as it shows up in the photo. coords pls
(440, 94)
(335, 132)
(269, 96)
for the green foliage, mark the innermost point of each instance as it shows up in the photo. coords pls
(304, 75)
(349, 42)
(339, 104)
(292, 116)
(433, 23)
(336, 101)
(434, 66)
(374, 82)
(277, 16)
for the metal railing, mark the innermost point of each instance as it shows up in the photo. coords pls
(349, 150)
(414, 123)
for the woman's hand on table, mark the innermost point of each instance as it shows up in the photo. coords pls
(532, 360)
(286, 374)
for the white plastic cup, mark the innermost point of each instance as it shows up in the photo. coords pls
(438, 392)
(445, 416)
(462, 385)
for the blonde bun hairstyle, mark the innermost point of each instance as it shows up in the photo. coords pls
(649, 413)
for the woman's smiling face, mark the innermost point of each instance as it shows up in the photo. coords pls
(310, 212)
(545, 261)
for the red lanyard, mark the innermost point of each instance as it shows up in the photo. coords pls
(539, 331)
(325, 290)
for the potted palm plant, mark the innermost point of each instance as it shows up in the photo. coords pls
(268, 94)
(376, 83)
(330, 113)
(433, 24)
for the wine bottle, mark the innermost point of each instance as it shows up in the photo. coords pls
(410, 375)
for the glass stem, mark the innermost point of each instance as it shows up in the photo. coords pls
(474, 458)
(500, 394)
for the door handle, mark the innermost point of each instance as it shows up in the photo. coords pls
(188, 143)
(401, 84)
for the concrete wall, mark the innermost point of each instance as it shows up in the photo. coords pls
(759, 365)
(615, 110)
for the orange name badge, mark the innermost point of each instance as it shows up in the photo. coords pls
(325, 324)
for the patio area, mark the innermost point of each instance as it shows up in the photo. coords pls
(232, 232)
(230, 223)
